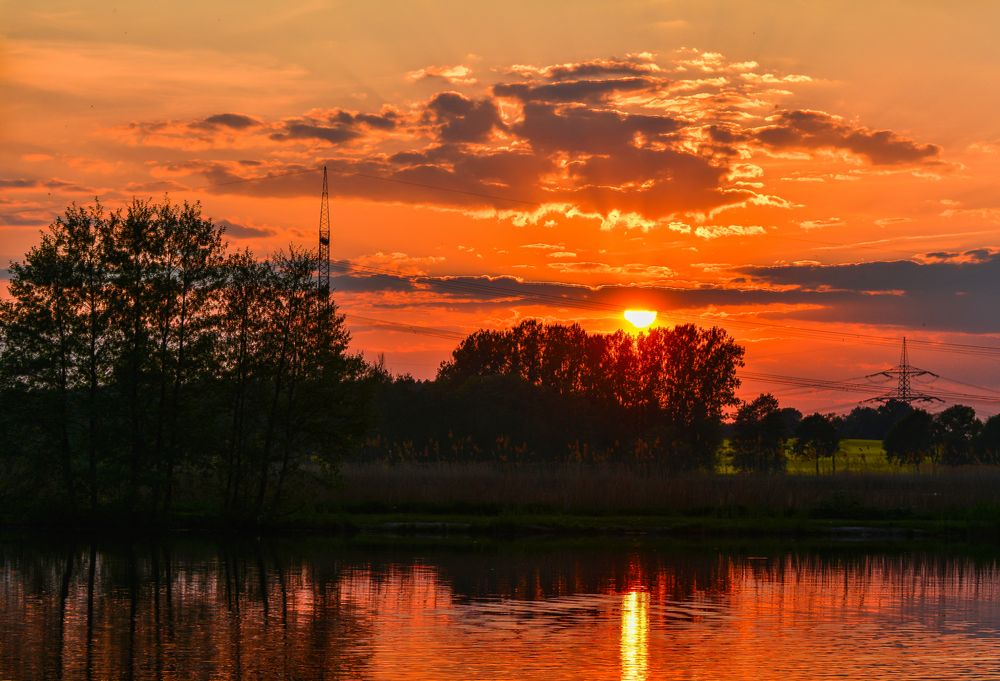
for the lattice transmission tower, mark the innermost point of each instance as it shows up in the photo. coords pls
(323, 267)
(904, 374)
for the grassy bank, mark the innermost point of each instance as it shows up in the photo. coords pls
(615, 498)
(643, 490)
(569, 498)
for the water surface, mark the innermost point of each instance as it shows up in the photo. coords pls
(317, 609)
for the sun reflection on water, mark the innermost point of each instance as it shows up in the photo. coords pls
(635, 636)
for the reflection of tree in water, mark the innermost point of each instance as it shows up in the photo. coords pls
(329, 609)
(159, 611)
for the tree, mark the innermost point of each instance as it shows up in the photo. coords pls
(816, 437)
(687, 378)
(869, 423)
(139, 350)
(790, 417)
(675, 383)
(987, 445)
(911, 439)
(759, 436)
(955, 432)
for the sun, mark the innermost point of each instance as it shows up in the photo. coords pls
(640, 319)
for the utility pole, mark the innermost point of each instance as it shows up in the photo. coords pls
(323, 268)
(904, 374)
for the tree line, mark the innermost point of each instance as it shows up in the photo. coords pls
(556, 392)
(136, 349)
(763, 434)
(552, 392)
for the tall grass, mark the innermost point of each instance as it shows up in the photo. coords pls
(609, 489)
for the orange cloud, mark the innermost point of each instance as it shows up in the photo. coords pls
(627, 142)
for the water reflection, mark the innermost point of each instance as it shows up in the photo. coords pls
(635, 635)
(338, 610)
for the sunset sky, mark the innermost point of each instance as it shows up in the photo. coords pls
(819, 178)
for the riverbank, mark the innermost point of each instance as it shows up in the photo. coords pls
(479, 499)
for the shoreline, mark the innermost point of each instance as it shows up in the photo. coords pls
(955, 527)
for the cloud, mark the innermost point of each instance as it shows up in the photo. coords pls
(633, 142)
(715, 231)
(947, 291)
(397, 262)
(571, 91)
(804, 129)
(632, 65)
(236, 230)
(231, 120)
(456, 75)
(636, 271)
(460, 119)
(940, 296)
(821, 223)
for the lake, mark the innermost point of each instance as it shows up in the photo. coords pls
(409, 608)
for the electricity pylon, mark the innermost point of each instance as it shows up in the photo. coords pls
(904, 374)
(323, 268)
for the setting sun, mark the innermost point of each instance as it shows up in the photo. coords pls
(640, 319)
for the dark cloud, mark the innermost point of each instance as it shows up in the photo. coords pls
(461, 119)
(947, 294)
(898, 275)
(336, 127)
(232, 120)
(383, 121)
(332, 134)
(818, 130)
(579, 129)
(572, 91)
(25, 218)
(238, 231)
(25, 183)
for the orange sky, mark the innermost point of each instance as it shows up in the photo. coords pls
(760, 165)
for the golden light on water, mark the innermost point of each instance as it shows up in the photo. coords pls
(640, 319)
(635, 636)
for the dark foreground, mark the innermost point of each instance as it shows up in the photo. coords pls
(396, 608)
(494, 500)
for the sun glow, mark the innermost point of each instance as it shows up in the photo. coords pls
(640, 319)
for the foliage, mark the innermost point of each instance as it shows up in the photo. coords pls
(911, 439)
(816, 437)
(666, 388)
(759, 436)
(955, 432)
(146, 352)
(869, 423)
(987, 444)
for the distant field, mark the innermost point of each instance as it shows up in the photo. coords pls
(855, 456)
(606, 488)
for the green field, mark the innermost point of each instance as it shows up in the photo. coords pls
(854, 456)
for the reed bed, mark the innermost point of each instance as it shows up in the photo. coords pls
(609, 489)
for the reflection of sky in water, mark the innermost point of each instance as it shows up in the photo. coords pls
(548, 615)
(635, 636)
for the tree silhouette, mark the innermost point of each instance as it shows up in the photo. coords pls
(955, 432)
(987, 445)
(816, 437)
(759, 436)
(142, 350)
(911, 439)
